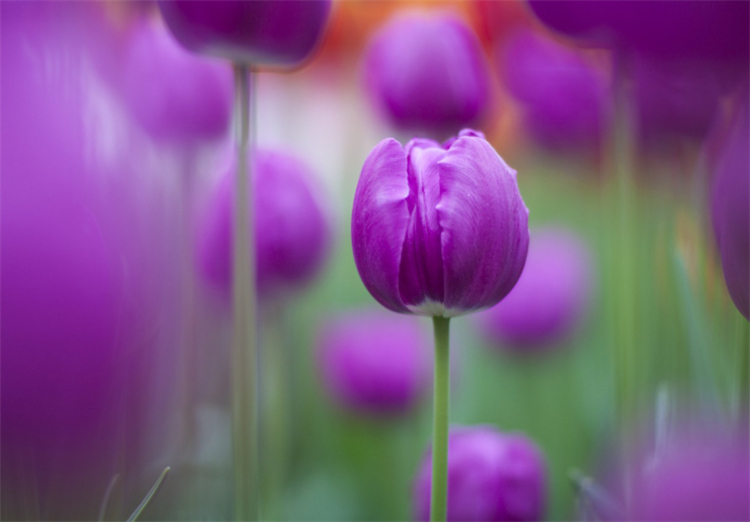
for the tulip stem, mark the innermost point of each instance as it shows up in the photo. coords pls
(244, 346)
(439, 493)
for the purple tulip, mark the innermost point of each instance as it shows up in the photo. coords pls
(260, 32)
(491, 476)
(438, 230)
(291, 228)
(174, 95)
(374, 362)
(564, 97)
(552, 295)
(427, 73)
(730, 210)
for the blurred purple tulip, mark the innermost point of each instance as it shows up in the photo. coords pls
(492, 476)
(427, 73)
(552, 295)
(372, 362)
(291, 227)
(565, 99)
(730, 211)
(176, 96)
(438, 230)
(259, 33)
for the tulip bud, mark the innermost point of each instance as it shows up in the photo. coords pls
(427, 73)
(291, 229)
(260, 32)
(491, 476)
(551, 297)
(438, 230)
(374, 362)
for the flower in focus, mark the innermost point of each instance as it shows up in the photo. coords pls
(564, 97)
(491, 476)
(174, 95)
(438, 230)
(373, 362)
(427, 73)
(291, 228)
(730, 210)
(261, 32)
(551, 297)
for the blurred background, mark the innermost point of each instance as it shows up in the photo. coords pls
(626, 335)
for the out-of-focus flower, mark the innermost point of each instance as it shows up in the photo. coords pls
(491, 476)
(427, 73)
(730, 212)
(551, 297)
(373, 362)
(261, 32)
(291, 228)
(174, 95)
(564, 97)
(438, 230)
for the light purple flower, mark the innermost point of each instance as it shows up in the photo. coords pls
(291, 228)
(438, 229)
(564, 98)
(373, 362)
(552, 295)
(427, 73)
(259, 32)
(492, 476)
(174, 95)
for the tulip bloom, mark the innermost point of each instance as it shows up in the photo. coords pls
(374, 363)
(292, 231)
(438, 230)
(551, 297)
(493, 476)
(427, 73)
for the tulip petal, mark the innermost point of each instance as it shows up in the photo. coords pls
(380, 217)
(484, 222)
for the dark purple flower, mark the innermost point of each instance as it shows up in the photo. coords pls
(492, 476)
(427, 73)
(373, 362)
(552, 295)
(291, 228)
(259, 32)
(730, 211)
(564, 98)
(174, 95)
(438, 229)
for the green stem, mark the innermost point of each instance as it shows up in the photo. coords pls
(439, 493)
(244, 349)
(744, 369)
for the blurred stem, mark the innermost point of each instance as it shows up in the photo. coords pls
(744, 368)
(244, 349)
(439, 493)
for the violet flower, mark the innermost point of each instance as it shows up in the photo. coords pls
(564, 98)
(438, 230)
(492, 476)
(551, 297)
(174, 95)
(374, 363)
(291, 228)
(260, 32)
(427, 73)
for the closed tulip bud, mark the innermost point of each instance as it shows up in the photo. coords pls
(551, 297)
(374, 363)
(261, 32)
(438, 230)
(291, 229)
(427, 73)
(492, 476)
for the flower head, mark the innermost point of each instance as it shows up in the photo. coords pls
(438, 229)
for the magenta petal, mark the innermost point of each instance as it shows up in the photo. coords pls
(485, 225)
(379, 222)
